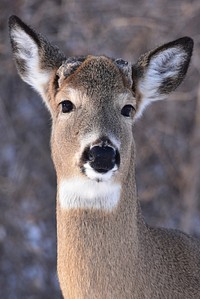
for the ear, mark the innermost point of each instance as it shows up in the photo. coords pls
(159, 72)
(36, 59)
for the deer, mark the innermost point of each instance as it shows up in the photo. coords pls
(105, 249)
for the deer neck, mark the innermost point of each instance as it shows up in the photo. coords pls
(127, 207)
(94, 239)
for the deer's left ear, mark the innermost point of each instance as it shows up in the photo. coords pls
(159, 72)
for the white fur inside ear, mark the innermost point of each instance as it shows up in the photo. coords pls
(27, 51)
(88, 194)
(165, 64)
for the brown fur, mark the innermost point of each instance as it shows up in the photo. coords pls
(110, 254)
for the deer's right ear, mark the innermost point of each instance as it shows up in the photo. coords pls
(36, 59)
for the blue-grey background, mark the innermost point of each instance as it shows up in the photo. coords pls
(167, 136)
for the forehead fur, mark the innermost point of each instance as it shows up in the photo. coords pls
(97, 74)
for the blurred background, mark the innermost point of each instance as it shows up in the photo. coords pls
(167, 136)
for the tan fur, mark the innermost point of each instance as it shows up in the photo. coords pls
(110, 254)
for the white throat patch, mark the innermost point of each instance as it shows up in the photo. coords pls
(88, 194)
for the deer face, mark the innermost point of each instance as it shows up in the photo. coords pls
(93, 112)
(94, 102)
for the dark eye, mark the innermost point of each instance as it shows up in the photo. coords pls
(127, 110)
(67, 106)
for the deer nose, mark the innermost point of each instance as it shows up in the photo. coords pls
(103, 158)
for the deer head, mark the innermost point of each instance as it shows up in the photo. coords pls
(94, 102)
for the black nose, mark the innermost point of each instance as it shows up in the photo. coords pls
(103, 158)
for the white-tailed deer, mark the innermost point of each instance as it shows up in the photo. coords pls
(105, 248)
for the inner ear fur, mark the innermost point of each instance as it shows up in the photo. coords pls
(35, 57)
(160, 71)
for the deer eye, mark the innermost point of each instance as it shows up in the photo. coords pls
(128, 110)
(67, 106)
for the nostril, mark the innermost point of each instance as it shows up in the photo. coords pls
(91, 155)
